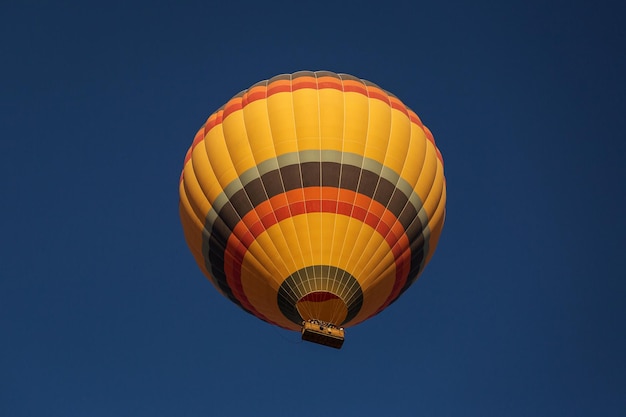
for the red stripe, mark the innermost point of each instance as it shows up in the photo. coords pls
(398, 105)
(276, 88)
(253, 225)
(254, 95)
(378, 94)
(355, 88)
(299, 85)
(232, 106)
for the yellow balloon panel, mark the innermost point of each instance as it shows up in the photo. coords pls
(416, 156)
(399, 141)
(238, 143)
(355, 128)
(282, 124)
(258, 130)
(378, 132)
(306, 118)
(331, 119)
(219, 157)
(202, 171)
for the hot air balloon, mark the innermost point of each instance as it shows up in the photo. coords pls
(312, 201)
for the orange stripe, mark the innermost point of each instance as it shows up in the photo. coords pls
(325, 200)
(329, 82)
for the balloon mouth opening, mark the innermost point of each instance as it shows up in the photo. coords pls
(322, 305)
(319, 296)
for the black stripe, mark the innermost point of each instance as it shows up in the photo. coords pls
(320, 278)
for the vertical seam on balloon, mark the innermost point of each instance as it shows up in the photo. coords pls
(282, 183)
(245, 192)
(438, 217)
(319, 157)
(326, 278)
(424, 231)
(295, 129)
(423, 165)
(343, 136)
(193, 203)
(426, 227)
(200, 221)
(438, 173)
(396, 189)
(341, 162)
(207, 263)
(367, 277)
(343, 241)
(240, 291)
(293, 114)
(367, 135)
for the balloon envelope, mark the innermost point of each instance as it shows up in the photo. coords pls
(313, 195)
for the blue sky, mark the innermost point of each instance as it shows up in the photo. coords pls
(103, 311)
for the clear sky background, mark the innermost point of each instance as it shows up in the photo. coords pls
(103, 311)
